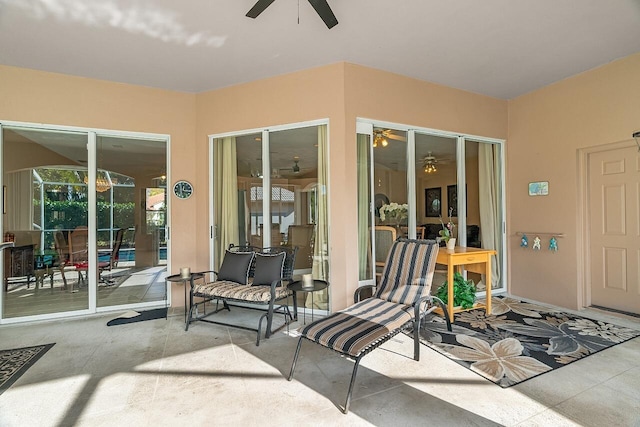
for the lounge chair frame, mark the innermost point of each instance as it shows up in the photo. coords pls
(421, 308)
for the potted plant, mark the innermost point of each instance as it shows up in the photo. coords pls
(446, 233)
(464, 292)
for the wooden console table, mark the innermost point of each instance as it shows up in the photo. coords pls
(18, 262)
(471, 259)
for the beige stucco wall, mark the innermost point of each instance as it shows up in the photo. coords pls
(547, 128)
(49, 98)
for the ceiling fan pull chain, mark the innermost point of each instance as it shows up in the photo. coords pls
(298, 12)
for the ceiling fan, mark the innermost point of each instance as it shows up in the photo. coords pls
(381, 137)
(321, 7)
(429, 163)
(293, 170)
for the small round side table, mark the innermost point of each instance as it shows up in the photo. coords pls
(318, 285)
(177, 278)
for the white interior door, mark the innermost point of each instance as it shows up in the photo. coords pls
(614, 204)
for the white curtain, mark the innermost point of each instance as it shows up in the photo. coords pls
(320, 268)
(19, 200)
(225, 195)
(489, 187)
(364, 216)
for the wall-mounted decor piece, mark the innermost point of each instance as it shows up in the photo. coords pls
(524, 241)
(553, 245)
(432, 202)
(183, 189)
(536, 243)
(452, 199)
(539, 188)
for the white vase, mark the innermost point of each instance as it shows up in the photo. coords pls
(451, 243)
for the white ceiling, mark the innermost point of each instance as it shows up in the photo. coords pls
(500, 48)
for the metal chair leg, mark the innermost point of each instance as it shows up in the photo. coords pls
(353, 380)
(186, 326)
(260, 328)
(416, 339)
(444, 309)
(269, 320)
(295, 359)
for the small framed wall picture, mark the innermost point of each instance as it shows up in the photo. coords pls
(539, 188)
(432, 202)
(182, 189)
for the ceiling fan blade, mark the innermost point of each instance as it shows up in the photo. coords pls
(396, 137)
(325, 12)
(258, 8)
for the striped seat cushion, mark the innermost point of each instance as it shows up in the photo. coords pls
(225, 289)
(408, 271)
(356, 328)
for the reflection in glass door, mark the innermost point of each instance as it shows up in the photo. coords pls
(483, 177)
(294, 184)
(454, 178)
(435, 177)
(365, 201)
(270, 190)
(383, 196)
(131, 206)
(76, 226)
(46, 205)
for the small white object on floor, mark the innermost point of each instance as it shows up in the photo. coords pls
(129, 314)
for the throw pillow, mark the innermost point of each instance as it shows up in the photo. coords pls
(235, 267)
(268, 268)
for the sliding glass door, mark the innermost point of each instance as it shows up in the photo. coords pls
(269, 189)
(87, 213)
(411, 181)
(131, 206)
(435, 179)
(47, 217)
(485, 195)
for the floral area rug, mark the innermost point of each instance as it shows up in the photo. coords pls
(14, 363)
(519, 340)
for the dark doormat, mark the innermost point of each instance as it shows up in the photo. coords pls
(157, 313)
(520, 340)
(613, 310)
(14, 363)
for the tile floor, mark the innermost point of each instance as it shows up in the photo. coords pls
(154, 373)
(134, 285)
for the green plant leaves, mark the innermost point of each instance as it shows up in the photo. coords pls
(464, 292)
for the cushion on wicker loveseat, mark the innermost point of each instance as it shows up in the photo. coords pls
(226, 289)
(268, 268)
(235, 267)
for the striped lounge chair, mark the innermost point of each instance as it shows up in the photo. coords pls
(400, 302)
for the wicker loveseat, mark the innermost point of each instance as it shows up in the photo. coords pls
(250, 277)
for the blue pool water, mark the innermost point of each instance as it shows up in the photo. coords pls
(130, 255)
